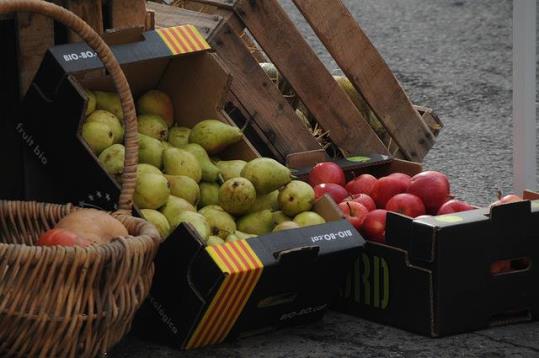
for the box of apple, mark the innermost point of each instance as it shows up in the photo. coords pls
(365, 200)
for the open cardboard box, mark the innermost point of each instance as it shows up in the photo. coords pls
(432, 276)
(201, 295)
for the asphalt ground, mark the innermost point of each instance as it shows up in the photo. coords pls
(454, 56)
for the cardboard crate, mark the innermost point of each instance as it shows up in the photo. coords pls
(412, 129)
(207, 294)
(432, 276)
(36, 33)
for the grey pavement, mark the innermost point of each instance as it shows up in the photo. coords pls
(454, 56)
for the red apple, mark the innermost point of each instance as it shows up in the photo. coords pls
(374, 226)
(432, 188)
(511, 198)
(337, 192)
(454, 206)
(407, 204)
(363, 184)
(405, 178)
(500, 266)
(61, 237)
(386, 188)
(364, 200)
(326, 172)
(354, 212)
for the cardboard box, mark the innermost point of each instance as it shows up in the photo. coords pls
(432, 276)
(201, 295)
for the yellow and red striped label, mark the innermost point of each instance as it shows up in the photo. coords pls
(183, 39)
(243, 269)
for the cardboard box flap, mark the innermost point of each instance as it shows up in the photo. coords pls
(302, 163)
(166, 42)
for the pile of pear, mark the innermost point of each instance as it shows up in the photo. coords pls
(181, 178)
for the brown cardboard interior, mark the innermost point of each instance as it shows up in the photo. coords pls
(197, 85)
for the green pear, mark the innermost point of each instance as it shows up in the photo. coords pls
(109, 119)
(238, 235)
(150, 151)
(184, 187)
(221, 223)
(279, 217)
(286, 225)
(266, 174)
(214, 135)
(308, 218)
(243, 235)
(198, 221)
(90, 104)
(158, 103)
(153, 126)
(178, 136)
(98, 136)
(109, 101)
(180, 162)
(166, 145)
(209, 194)
(215, 241)
(232, 238)
(258, 223)
(237, 195)
(158, 219)
(230, 168)
(112, 159)
(296, 197)
(174, 206)
(151, 191)
(266, 202)
(210, 172)
(147, 169)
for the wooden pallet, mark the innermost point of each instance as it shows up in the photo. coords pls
(36, 33)
(411, 130)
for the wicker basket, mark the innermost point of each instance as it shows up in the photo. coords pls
(73, 301)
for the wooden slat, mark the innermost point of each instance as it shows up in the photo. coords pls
(224, 4)
(127, 13)
(169, 16)
(90, 11)
(260, 97)
(288, 50)
(365, 67)
(35, 36)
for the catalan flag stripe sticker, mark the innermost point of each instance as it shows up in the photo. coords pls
(183, 39)
(243, 270)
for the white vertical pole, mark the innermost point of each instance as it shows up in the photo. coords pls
(524, 108)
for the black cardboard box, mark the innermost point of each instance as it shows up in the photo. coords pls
(433, 276)
(201, 295)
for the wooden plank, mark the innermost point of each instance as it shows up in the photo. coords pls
(35, 35)
(430, 118)
(169, 16)
(224, 4)
(127, 13)
(288, 50)
(266, 107)
(365, 67)
(149, 23)
(90, 11)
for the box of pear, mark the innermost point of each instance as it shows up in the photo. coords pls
(433, 268)
(247, 247)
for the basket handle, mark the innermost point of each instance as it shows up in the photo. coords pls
(76, 24)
